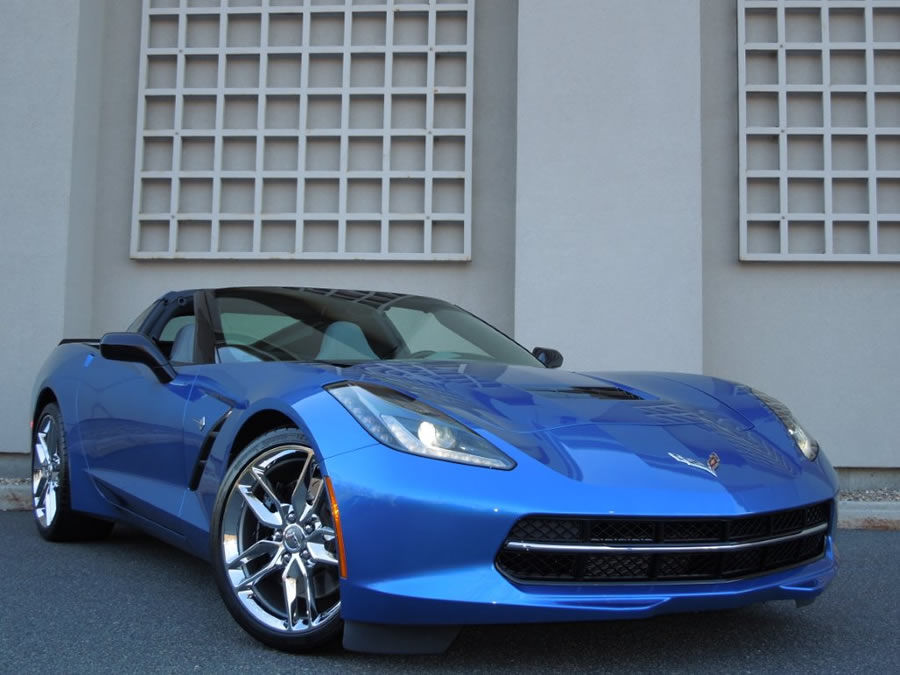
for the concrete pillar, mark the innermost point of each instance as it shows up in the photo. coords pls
(608, 204)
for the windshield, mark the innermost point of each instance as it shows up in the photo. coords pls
(280, 324)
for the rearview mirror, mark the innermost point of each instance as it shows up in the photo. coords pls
(137, 348)
(549, 357)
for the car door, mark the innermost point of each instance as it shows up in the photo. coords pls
(133, 429)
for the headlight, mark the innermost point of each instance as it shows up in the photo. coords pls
(408, 425)
(804, 442)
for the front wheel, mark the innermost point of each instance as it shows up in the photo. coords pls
(273, 544)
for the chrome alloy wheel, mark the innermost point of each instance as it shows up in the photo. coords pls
(278, 541)
(45, 468)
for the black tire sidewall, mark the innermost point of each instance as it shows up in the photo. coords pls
(293, 643)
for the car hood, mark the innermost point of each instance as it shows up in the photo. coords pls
(523, 399)
(599, 428)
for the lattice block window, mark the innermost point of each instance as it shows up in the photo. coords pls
(819, 130)
(310, 129)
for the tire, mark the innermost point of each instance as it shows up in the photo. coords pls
(51, 487)
(273, 547)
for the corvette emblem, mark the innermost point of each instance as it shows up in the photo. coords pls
(201, 422)
(712, 462)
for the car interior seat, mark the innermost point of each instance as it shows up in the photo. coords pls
(183, 344)
(344, 340)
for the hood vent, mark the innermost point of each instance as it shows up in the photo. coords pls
(609, 393)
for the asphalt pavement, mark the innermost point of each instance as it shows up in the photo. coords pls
(131, 604)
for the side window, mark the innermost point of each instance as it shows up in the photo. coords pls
(135, 325)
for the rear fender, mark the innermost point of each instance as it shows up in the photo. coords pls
(62, 376)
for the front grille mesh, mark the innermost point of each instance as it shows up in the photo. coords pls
(622, 567)
(547, 529)
(763, 556)
(625, 531)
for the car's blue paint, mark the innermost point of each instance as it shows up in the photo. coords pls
(136, 458)
(421, 534)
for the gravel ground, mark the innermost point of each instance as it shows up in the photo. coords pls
(873, 495)
(13, 481)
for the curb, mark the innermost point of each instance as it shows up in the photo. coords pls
(851, 515)
(869, 515)
(15, 497)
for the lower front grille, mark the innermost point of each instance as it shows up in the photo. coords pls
(627, 550)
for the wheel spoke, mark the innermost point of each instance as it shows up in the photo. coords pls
(289, 583)
(324, 533)
(298, 497)
(268, 518)
(260, 548)
(320, 554)
(263, 482)
(311, 610)
(251, 581)
(317, 490)
(41, 494)
(40, 449)
(50, 502)
(39, 484)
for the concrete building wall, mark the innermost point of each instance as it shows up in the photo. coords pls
(608, 250)
(38, 111)
(820, 337)
(485, 285)
(86, 108)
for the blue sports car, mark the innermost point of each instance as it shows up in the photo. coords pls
(389, 467)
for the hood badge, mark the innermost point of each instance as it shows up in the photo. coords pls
(712, 462)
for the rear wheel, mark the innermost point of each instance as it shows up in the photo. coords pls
(273, 544)
(50, 485)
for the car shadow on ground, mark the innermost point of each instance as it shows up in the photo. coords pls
(736, 636)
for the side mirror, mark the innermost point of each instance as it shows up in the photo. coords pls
(549, 357)
(137, 348)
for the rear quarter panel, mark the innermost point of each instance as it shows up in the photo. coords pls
(61, 377)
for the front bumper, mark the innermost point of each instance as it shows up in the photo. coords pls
(421, 546)
(483, 596)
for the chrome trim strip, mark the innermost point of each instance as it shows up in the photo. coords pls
(660, 548)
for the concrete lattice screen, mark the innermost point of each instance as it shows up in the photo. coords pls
(304, 129)
(820, 130)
